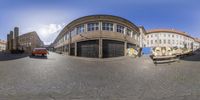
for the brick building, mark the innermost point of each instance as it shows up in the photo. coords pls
(26, 42)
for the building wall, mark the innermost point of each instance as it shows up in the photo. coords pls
(2, 45)
(97, 27)
(29, 41)
(169, 39)
(196, 43)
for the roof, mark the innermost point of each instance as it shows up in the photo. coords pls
(168, 30)
(2, 42)
(197, 40)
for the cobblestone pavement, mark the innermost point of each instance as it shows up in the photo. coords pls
(60, 77)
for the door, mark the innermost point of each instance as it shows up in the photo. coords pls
(112, 48)
(88, 49)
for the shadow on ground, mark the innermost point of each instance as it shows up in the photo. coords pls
(38, 57)
(8, 56)
(194, 57)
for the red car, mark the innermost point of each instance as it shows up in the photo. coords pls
(39, 51)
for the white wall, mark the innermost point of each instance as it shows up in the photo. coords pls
(171, 40)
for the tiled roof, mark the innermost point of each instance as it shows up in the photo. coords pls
(168, 30)
(2, 42)
(197, 40)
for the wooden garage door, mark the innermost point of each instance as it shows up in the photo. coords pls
(113, 48)
(88, 48)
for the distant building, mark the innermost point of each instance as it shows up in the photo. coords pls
(2, 45)
(27, 41)
(196, 43)
(170, 38)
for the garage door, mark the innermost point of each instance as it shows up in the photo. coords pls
(88, 48)
(113, 48)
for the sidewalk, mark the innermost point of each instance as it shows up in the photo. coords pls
(8, 56)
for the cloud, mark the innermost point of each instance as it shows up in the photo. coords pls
(49, 32)
(46, 22)
(46, 30)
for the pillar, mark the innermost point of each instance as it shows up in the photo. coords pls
(100, 48)
(125, 30)
(114, 27)
(85, 28)
(125, 48)
(75, 47)
(100, 25)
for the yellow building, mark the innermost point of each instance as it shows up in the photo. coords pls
(2, 45)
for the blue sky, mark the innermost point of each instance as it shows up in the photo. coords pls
(48, 17)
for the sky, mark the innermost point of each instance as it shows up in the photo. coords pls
(48, 17)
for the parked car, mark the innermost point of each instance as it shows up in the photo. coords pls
(39, 51)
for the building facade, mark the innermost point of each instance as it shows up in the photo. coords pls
(196, 43)
(26, 42)
(29, 41)
(2, 45)
(170, 38)
(12, 39)
(99, 36)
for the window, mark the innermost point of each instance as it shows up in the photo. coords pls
(151, 41)
(66, 36)
(73, 32)
(164, 41)
(151, 35)
(120, 29)
(107, 26)
(80, 29)
(92, 26)
(164, 35)
(169, 42)
(172, 35)
(168, 35)
(147, 36)
(160, 41)
(155, 41)
(128, 32)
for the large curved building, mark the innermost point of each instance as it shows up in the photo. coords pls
(170, 38)
(98, 36)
